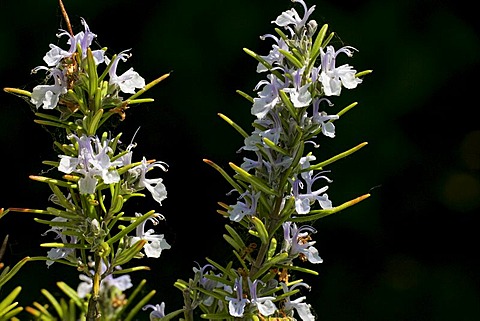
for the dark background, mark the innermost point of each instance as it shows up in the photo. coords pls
(406, 253)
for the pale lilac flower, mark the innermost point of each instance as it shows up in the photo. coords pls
(297, 242)
(206, 283)
(331, 77)
(122, 282)
(264, 304)
(299, 94)
(156, 243)
(272, 130)
(135, 178)
(59, 253)
(303, 309)
(268, 97)
(236, 305)
(56, 54)
(158, 311)
(323, 119)
(303, 201)
(84, 39)
(291, 17)
(93, 162)
(48, 96)
(248, 207)
(154, 185)
(129, 80)
(274, 56)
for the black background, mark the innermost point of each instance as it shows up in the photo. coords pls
(406, 253)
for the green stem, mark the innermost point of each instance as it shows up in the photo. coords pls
(93, 313)
(188, 310)
(272, 224)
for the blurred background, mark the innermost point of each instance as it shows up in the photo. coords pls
(406, 253)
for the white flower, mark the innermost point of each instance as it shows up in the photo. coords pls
(156, 243)
(297, 242)
(303, 309)
(155, 186)
(47, 96)
(331, 77)
(92, 162)
(129, 80)
(291, 17)
(122, 283)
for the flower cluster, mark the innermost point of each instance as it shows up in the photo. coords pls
(97, 173)
(64, 67)
(278, 187)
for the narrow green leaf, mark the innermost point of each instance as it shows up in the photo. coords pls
(255, 181)
(128, 254)
(53, 301)
(133, 225)
(288, 104)
(94, 122)
(244, 95)
(335, 158)
(9, 298)
(11, 272)
(225, 175)
(72, 294)
(235, 235)
(344, 110)
(134, 311)
(294, 60)
(275, 147)
(317, 214)
(272, 248)
(277, 259)
(318, 40)
(234, 125)
(363, 73)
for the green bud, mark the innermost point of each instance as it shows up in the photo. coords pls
(104, 249)
(272, 248)
(116, 206)
(260, 228)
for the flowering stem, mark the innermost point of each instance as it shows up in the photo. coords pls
(188, 310)
(272, 226)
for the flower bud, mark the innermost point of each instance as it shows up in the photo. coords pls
(311, 28)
